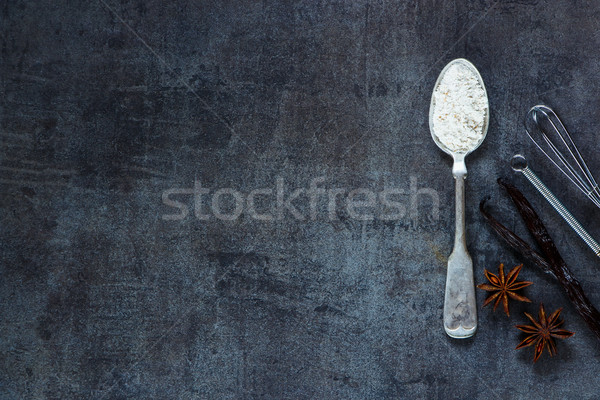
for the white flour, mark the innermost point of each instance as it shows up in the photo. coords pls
(460, 109)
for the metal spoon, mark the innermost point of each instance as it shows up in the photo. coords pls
(460, 309)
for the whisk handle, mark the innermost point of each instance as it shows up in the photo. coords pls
(560, 208)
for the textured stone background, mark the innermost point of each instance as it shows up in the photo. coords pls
(106, 104)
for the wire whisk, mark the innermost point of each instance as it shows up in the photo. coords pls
(544, 127)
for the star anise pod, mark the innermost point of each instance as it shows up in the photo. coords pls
(504, 286)
(542, 332)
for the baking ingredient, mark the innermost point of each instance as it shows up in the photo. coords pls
(515, 241)
(540, 334)
(460, 108)
(504, 286)
(551, 262)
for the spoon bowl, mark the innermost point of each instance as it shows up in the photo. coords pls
(475, 73)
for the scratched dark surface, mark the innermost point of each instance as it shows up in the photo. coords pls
(106, 104)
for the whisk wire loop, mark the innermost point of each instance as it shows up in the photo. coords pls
(542, 121)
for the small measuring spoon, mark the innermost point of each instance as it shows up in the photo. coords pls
(460, 309)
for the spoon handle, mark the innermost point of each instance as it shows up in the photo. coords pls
(460, 309)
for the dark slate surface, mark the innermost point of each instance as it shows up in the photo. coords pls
(107, 104)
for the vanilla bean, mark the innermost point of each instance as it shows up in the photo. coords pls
(551, 261)
(515, 241)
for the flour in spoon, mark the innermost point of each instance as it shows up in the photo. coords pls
(459, 110)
